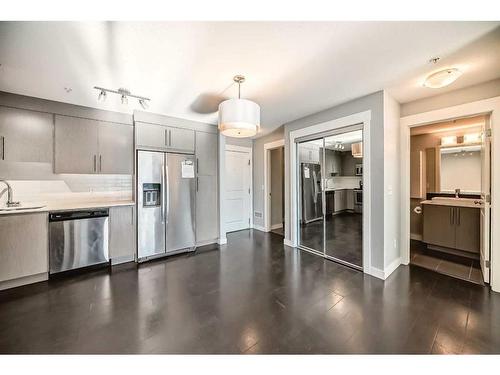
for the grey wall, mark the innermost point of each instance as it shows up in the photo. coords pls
(375, 103)
(277, 169)
(258, 173)
(481, 91)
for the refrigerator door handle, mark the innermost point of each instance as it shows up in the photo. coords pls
(162, 193)
(167, 187)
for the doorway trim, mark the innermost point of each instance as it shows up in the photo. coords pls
(241, 149)
(481, 107)
(267, 180)
(361, 118)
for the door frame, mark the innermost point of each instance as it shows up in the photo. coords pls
(249, 151)
(267, 180)
(489, 107)
(361, 118)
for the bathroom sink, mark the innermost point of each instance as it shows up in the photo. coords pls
(19, 208)
(461, 202)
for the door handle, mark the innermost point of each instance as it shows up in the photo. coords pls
(95, 163)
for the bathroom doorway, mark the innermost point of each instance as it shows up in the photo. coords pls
(450, 197)
(330, 195)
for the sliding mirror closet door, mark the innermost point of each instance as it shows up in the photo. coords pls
(311, 216)
(343, 171)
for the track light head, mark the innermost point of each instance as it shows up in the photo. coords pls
(124, 99)
(102, 96)
(144, 104)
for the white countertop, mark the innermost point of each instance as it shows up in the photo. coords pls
(66, 206)
(460, 202)
(336, 189)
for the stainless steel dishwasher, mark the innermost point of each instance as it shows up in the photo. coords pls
(77, 239)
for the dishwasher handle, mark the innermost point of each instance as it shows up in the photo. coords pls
(77, 215)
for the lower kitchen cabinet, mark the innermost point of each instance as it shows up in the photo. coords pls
(207, 227)
(340, 200)
(122, 232)
(23, 246)
(350, 199)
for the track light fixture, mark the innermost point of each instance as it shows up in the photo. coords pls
(124, 94)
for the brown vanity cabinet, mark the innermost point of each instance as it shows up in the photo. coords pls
(452, 227)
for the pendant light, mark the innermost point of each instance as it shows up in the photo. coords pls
(239, 118)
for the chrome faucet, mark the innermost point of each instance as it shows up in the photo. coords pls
(457, 193)
(9, 203)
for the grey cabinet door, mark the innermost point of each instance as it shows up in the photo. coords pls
(26, 136)
(467, 229)
(151, 136)
(24, 249)
(76, 145)
(121, 231)
(116, 148)
(206, 153)
(350, 199)
(180, 139)
(340, 200)
(439, 227)
(207, 222)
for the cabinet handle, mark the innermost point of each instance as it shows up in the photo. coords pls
(459, 211)
(100, 163)
(451, 216)
(170, 137)
(165, 135)
(3, 147)
(95, 163)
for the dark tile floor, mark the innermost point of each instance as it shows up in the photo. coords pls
(254, 295)
(448, 264)
(344, 238)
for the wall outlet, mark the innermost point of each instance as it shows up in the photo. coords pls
(395, 243)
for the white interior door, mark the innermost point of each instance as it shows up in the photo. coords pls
(237, 207)
(485, 195)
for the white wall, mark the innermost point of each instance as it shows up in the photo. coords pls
(392, 182)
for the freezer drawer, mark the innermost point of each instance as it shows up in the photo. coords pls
(77, 241)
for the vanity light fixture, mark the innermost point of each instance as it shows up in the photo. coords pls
(239, 118)
(449, 140)
(472, 138)
(124, 95)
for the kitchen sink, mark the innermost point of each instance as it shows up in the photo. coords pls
(19, 208)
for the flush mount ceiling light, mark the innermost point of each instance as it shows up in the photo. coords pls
(124, 95)
(442, 78)
(239, 118)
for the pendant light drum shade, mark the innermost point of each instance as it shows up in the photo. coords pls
(239, 118)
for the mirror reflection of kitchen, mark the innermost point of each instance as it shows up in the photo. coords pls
(449, 194)
(331, 195)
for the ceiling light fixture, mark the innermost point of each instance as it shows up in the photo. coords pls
(239, 118)
(442, 78)
(124, 95)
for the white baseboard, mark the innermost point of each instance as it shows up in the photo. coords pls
(276, 226)
(24, 280)
(287, 242)
(222, 241)
(122, 259)
(384, 274)
(258, 227)
(417, 237)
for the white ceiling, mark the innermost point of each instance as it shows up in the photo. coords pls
(293, 68)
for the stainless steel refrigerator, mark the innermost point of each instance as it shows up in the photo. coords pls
(165, 204)
(312, 201)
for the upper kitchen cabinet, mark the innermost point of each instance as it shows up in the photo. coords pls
(76, 147)
(206, 153)
(164, 138)
(88, 146)
(25, 136)
(333, 163)
(116, 148)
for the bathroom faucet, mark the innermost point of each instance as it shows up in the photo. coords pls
(9, 203)
(457, 193)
